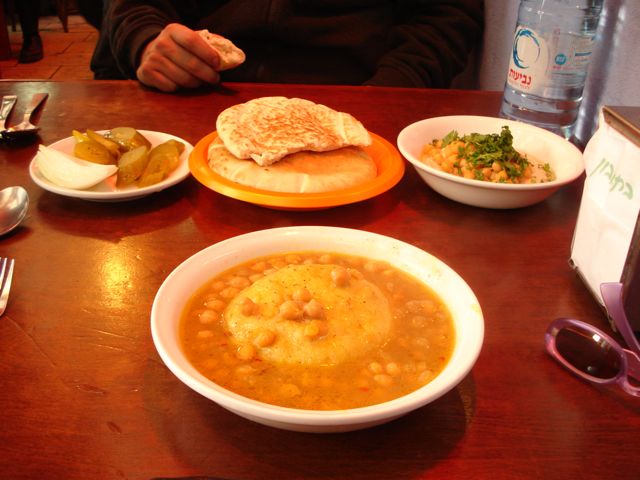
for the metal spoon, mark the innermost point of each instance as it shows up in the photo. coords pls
(14, 203)
(26, 127)
(8, 101)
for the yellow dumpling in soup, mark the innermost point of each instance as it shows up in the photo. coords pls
(316, 314)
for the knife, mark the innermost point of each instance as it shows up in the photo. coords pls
(8, 101)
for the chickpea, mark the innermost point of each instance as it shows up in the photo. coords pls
(373, 266)
(218, 285)
(447, 165)
(289, 310)
(208, 316)
(259, 266)
(278, 263)
(355, 261)
(247, 307)
(340, 277)
(383, 380)
(290, 390)
(388, 273)
(209, 297)
(325, 258)
(375, 367)
(239, 282)
(293, 259)
(501, 176)
(246, 352)
(245, 370)
(311, 330)
(229, 292)
(315, 329)
(264, 338)
(301, 295)
(204, 334)
(313, 309)
(425, 376)
(392, 369)
(216, 304)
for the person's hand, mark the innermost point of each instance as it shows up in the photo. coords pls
(178, 58)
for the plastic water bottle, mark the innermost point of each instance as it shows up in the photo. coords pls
(552, 47)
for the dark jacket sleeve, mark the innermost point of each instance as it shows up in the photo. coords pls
(431, 43)
(126, 28)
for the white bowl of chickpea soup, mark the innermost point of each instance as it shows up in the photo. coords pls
(547, 161)
(296, 329)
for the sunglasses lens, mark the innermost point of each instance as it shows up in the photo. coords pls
(588, 352)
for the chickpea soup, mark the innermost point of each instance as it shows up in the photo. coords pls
(317, 330)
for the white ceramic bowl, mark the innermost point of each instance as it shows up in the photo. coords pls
(564, 158)
(196, 270)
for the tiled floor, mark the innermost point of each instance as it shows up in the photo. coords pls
(66, 55)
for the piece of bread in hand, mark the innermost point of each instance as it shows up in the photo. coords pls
(268, 129)
(230, 55)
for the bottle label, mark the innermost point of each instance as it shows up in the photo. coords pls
(528, 62)
(538, 61)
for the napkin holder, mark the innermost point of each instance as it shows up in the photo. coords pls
(606, 240)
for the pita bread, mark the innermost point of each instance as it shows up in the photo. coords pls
(301, 172)
(269, 128)
(230, 55)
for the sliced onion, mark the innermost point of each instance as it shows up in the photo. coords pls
(70, 172)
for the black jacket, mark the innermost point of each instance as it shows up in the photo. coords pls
(375, 42)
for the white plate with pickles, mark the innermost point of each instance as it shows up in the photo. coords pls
(72, 176)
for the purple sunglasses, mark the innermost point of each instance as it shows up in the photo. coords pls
(593, 355)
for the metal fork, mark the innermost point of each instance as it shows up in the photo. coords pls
(6, 273)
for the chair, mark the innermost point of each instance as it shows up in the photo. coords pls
(63, 8)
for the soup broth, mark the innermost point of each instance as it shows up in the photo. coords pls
(317, 330)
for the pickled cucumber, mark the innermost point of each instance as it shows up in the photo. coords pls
(131, 165)
(128, 138)
(94, 152)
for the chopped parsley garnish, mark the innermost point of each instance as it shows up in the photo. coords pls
(483, 150)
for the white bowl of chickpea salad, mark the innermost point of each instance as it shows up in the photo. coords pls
(489, 162)
(354, 383)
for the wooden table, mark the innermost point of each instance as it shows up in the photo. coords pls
(85, 395)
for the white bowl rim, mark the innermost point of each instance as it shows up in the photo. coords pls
(558, 182)
(284, 415)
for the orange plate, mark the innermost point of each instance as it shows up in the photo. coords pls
(388, 161)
